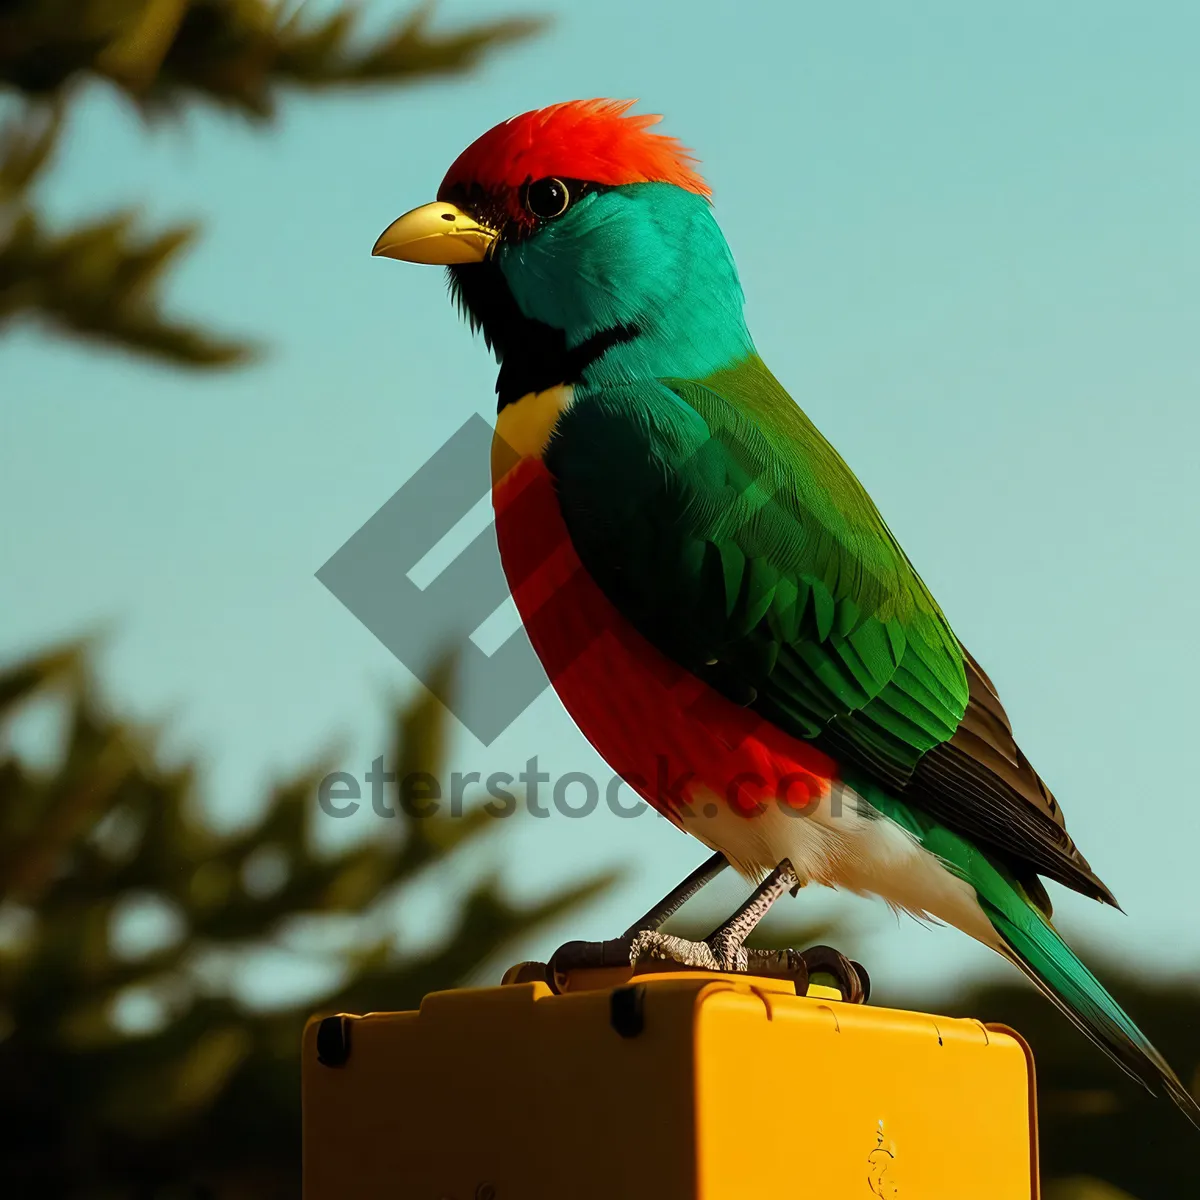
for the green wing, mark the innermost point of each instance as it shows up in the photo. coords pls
(734, 536)
(731, 534)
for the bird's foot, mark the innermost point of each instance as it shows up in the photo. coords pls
(652, 950)
(723, 953)
(725, 948)
(718, 952)
(646, 947)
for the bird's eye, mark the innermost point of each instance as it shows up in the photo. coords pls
(547, 198)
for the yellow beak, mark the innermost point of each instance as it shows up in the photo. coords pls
(436, 233)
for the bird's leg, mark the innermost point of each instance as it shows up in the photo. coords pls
(728, 940)
(644, 945)
(679, 895)
(724, 949)
(615, 952)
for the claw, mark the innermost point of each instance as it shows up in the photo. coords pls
(852, 979)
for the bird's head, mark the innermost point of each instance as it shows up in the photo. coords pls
(574, 234)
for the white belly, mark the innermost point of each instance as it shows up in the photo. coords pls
(843, 842)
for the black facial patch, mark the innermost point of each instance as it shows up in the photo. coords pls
(533, 355)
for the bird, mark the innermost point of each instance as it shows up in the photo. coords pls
(715, 598)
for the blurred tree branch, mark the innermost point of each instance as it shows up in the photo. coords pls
(98, 280)
(204, 1097)
(102, 279)
(163, 53)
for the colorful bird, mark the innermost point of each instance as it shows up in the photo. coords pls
(713, 594)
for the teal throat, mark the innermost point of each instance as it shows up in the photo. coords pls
(633, 283)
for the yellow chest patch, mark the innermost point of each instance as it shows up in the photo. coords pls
(523, 428)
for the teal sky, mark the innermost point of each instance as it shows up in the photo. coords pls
(970, 241)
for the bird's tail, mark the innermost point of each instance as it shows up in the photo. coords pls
(1026, 936)
(1036, 947)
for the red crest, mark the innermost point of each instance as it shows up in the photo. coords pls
(593, 140)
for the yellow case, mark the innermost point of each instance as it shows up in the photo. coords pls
(682, 1086)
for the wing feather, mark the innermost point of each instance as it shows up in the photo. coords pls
(728, 531)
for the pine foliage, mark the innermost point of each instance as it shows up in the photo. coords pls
(200, 1097)
(102, 279)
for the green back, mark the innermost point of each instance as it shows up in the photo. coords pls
(725, 527)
